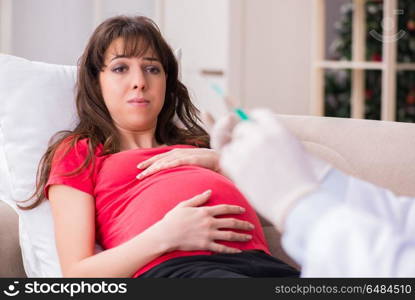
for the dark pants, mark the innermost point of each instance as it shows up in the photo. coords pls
(239, 265)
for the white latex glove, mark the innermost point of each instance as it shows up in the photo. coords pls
(267, 163)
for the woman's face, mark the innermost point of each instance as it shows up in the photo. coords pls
(133, 88)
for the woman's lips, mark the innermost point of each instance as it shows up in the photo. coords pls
(138, 102)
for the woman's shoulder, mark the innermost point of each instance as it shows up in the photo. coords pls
(75, 146)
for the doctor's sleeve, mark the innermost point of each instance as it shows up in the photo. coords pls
(352, 228)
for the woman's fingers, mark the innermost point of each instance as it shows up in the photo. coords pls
(223, 209)
(203, 157)
(150, 170)
(162, 164)
(202, 230)
(145, 164)
(231, 236)
(219, 248)
(196, 200)
(232, 223)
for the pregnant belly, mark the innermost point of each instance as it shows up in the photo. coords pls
(151, 199)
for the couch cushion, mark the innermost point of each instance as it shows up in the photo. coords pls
(10, 254)
(380, 152)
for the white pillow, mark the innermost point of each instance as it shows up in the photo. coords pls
(37, 100)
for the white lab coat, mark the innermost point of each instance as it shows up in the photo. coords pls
(351, 228)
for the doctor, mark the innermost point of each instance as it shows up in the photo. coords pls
(332, 224)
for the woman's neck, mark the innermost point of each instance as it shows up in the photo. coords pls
(139, 142)
(136, 140)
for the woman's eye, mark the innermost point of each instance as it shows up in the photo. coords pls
(153, 69)
(119, 69)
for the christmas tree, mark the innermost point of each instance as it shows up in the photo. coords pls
(338, 83)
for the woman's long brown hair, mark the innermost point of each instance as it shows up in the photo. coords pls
(95, 123)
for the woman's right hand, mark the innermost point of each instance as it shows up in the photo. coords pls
(189, 227)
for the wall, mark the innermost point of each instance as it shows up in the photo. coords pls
(275, 51)
(129, 7)
(200, 29)
(277, 55)
(51, 31)
(56, 31)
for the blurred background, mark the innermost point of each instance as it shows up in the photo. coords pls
(261, 53)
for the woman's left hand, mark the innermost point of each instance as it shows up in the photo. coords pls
(202, 157)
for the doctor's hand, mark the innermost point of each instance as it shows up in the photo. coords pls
(189, 226)
(267, 163)
(202, 157)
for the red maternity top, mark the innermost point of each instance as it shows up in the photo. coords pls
(126, 206)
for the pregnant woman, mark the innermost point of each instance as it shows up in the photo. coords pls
(137, 176)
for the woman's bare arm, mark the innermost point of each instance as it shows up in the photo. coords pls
(74, 218)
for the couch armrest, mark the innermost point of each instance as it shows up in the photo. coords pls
(10, 253)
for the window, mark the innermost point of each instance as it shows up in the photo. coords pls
(363, 68)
